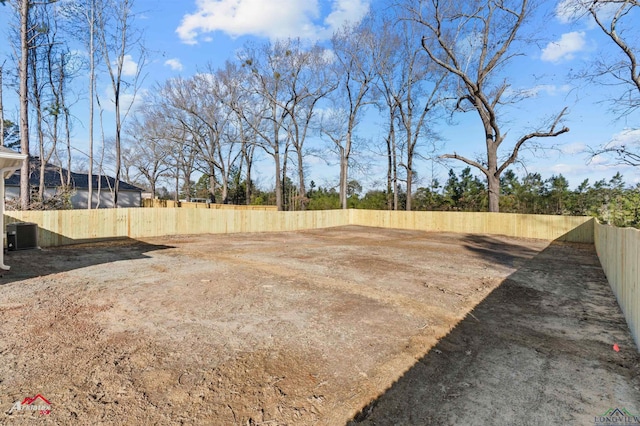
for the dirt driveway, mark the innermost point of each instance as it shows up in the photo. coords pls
(309, 327)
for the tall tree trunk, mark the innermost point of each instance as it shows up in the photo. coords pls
(278, 181)
(176, 197)
(247, 188)
(285, 205)
(276, 154)
(494, 193)
(116, 34)
(344, 170)
(92, 78)
(394, 172)
(152, 186)
(67, 126)
(493, 178)
(24, 102)
(409, 177)
(1, 110)
(225, 191)
(37, 95)
(212, 183)
(389, 170)
(118, 146)
(101, 163)
(302, 192)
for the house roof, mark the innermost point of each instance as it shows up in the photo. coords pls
(78, 180)
(10, 161)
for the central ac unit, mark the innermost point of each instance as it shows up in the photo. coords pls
(22, 235)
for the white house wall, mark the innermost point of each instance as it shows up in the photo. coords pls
(11, 192)
(125, 199)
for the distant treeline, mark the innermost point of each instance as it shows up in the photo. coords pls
(612, 201)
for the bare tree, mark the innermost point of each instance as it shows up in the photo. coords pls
(268, 72)
(119, 42)
(29, 32)
(38, 82)
(198, 106)
(307, 82)
(67, 115)
(417, 101)
(91, 11)
(85, 16)
(218, 148)
(386, 67)
(355, 71)
(190, 120)
(244, 118)
(25, 44)
(151, 147)
(178, 128)
(1, 106)
(49, 80)
(472, 41)
(618, 68)
(186, 156)
(412, 89)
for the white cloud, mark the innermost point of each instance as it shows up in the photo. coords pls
(625, 138)
(567, 169)
(565, 48)
(548, 89)
(329, 55)
(272, 19)
(596, 164)
(344, 11)
(128, 101)
(574, 148)
(129, 66)
(599, 160)
(174, 64)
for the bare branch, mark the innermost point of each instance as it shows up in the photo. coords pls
(622, 155)
(618, 67)
(467, 161)
(552, 132)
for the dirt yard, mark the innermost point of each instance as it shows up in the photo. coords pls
(316, 327)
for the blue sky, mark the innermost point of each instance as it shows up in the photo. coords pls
(183, 36)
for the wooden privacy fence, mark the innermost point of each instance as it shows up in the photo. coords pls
(563, 228)
(63, 227)
(74, 226)
(618, 250)
(149, 203)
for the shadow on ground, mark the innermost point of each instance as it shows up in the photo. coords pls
(32, 263)
(537, 350)
(498, 251)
